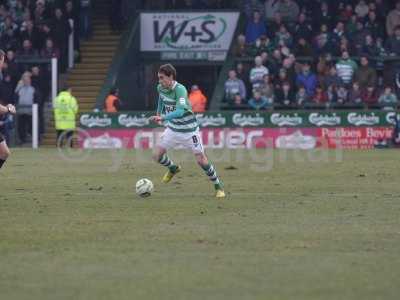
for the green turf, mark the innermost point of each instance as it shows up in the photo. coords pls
(302, 230)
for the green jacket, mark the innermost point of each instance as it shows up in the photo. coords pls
(65, 110)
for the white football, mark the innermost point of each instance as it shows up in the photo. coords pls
(144, 187)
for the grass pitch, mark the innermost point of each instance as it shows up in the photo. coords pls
(295, 225)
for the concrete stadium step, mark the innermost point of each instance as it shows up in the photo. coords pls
(87, 77)
(78, 77)
(88, 82)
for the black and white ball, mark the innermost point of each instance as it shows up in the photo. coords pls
(144, 187)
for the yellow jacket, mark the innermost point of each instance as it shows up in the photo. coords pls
(65, 111)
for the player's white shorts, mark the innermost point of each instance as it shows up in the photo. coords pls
(188, 140)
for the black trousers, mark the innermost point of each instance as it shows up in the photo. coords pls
(65, 137)
(24, 126)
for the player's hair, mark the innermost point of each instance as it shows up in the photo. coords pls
(168, 70)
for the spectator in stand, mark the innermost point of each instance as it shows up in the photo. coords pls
(234, 86)
(255, 28)
(303, 48)
(271, 9)
(13, 67)
(263, 44)
(85, 23)
(9, 40)
(283, 38)
(303, 29)
(323, 16)
(358, 38)
(338, 33)
(323, 66)
(8, 24)
(112, 103)
(27, 50)
(342, 95)
(373, 26)
(25, 98)
(286, 96)
(237, 102)
(50, 51)
(242, 74)
(393, 43)
(240, 49)
(331, 94)
(275, 25)
(388, 100)
(258, 101)
(289, 10)
(257, 73)
(61, 30)
(361, 9)
(355, 94)
(321, 41)
(307, 79)
(365, 75)
(302, 97)
(267, 89)
(346, 68)
(393, 20)
(197, 99)
(320, 96)
(370, 48)
(30, 33)
(345, 12)
(369, 96)
(281, 79)
(72, 13)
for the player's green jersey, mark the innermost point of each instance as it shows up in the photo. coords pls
(177, 98)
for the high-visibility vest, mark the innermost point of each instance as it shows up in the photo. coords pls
(65, 110)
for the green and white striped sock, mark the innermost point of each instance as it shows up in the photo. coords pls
(212, 174)
(167, 162)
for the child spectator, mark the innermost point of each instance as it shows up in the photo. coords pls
(388, 100)
(342, 95)
(320, 96)
(258, 101)
(301, 96)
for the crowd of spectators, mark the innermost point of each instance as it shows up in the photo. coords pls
(298, 53)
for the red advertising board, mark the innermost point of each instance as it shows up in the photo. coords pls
(236, 138)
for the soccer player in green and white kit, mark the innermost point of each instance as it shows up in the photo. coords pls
(182, 129)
